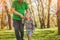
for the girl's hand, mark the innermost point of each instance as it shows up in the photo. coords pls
(33, 31)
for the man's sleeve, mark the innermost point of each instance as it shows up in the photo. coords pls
(13, 5)
(26, 6)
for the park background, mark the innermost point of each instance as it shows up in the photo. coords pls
(46, 15)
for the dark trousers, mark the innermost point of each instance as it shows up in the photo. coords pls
(19, 29)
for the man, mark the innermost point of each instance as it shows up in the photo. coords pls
(18, 8)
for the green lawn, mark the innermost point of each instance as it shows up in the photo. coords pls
(39, 34)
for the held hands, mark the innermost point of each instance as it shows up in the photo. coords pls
(21, 16)
(33, 31)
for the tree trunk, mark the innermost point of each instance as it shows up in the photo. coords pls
(58, 21)
(48, 22)
(42, 19)
(58, 16)
(2, 20)
(38, 8)
(9, 18)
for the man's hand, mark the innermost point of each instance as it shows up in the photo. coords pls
(33, 31)
(15, 12)
(21, 16)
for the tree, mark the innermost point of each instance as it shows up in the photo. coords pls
(3, 20)
(41, 18)
(48, 22)
(58, 16)
(8, 14)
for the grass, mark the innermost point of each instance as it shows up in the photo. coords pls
(39, 34)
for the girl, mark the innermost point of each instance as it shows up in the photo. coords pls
(29, 26)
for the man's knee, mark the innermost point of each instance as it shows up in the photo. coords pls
(21, 29)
